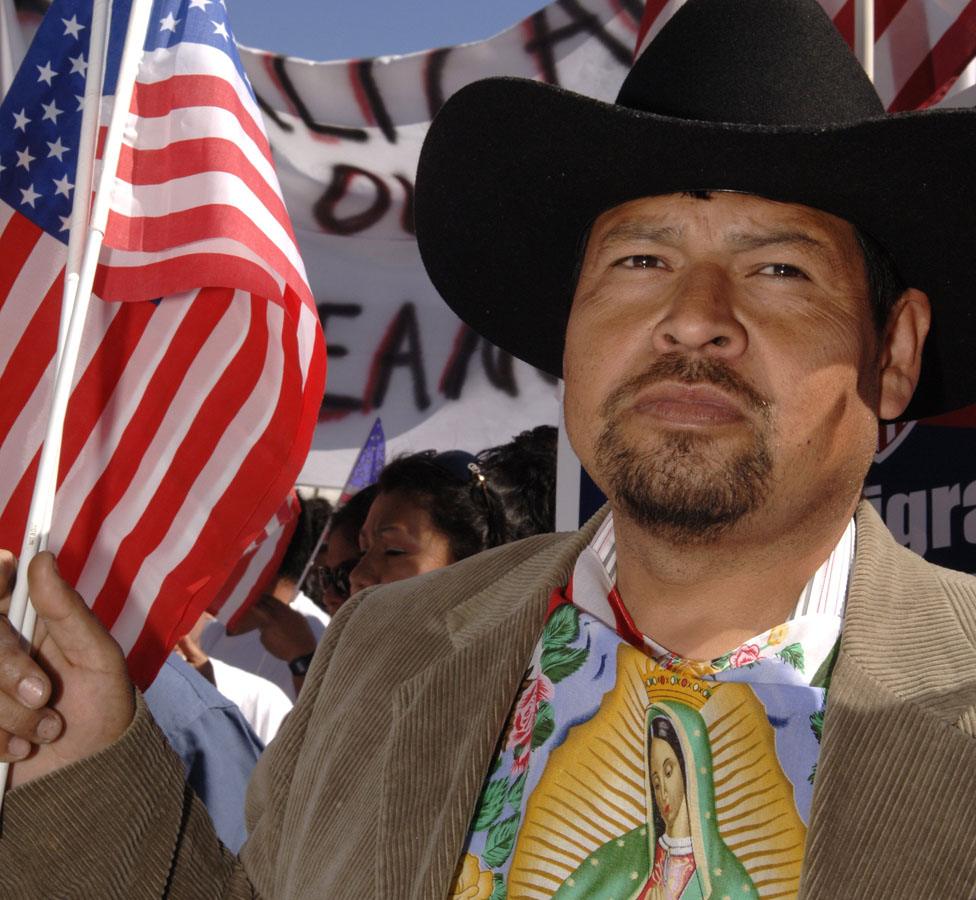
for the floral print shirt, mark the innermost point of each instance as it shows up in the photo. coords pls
(626, 771)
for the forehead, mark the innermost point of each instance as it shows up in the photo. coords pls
(396, 509)
(727, 214)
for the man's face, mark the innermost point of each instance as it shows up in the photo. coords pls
(720, 362)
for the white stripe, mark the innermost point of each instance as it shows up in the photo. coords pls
(262, 555)
(832, 7)
(215, 477)
(188, 58)
(670, 8)
(308, 338)
(134, 259)
(33, 281)
(908, 40)
(199, 123)
(182, 194)
(203, 373)
(120, 405)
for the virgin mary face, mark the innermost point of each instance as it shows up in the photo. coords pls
(668, 786)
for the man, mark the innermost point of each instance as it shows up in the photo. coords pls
(636, 709)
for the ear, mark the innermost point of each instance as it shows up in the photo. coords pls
(900, 362)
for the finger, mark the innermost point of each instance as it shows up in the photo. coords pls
(26, 725)
(20, 676)
(8, 572)
(81, 638)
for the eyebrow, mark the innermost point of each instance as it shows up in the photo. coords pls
(640, 231)
(757, 240)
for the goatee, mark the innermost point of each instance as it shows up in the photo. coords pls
(687, 488)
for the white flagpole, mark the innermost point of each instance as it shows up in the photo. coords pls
(864, 35)
(21, 613)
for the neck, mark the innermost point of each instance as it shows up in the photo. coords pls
(702, 600)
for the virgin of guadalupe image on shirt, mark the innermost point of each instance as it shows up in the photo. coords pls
(671, 791)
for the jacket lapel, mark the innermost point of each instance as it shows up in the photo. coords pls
(893, 805)
(448, 717)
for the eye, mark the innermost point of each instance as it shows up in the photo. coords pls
(393, 551)
(640, 261)
(782, 270)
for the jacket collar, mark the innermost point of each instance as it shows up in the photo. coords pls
(892, 806)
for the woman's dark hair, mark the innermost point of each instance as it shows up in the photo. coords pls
(459, 499)
(311, 522)
(352, 514)
(662, 729)
(523, 474)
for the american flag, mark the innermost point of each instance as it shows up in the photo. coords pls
(190, 416)
(258, 566)
(921, 46)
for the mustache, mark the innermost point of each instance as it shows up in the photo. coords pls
(680, 368)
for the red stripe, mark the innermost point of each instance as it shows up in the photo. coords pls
(200, 156)
(152, 101)
(18, 240)
(149, 234)
(232, 389)
(193, 332)
(13, 519)
(87, 401)
(31, 357)
(174, 276)
(264, 577)
(280, 453)
(232, 583)
(948, 58)
(652, 10)
(93, 392)
(884, 13)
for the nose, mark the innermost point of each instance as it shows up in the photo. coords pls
(363, 575)
(700, 317)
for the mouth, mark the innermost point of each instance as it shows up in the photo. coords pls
(689, 405)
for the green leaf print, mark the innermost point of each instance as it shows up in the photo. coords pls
(793, 655)
(816, 723)
(545, 722)
(561, 662)
(500, 892)
(562, 627)
(500, 842)
(495, 764)
(491, 804)
(822, 677)
(516, 790)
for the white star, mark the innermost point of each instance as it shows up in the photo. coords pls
(199, 4)
(220, 28)
(29, 196)
(81, 103)
(2, 167)
(65, 223)
(57, 149)
(72, 27)
(78, 65)
(24, 159)
(62, 186)
(51, 112)
(169, 23)
(21, 120)
(46, 73)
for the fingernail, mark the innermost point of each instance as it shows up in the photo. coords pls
(49, 728)
(18, 747)
(31, 690)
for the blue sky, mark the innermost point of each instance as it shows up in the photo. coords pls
(339, 29)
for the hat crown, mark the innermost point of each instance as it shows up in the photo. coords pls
(760, 62)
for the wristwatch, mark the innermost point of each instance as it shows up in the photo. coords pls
(299, 665)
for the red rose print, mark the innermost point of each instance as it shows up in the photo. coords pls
(523, 721)
(744, 655)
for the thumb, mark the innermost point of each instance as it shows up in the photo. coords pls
(73, 627)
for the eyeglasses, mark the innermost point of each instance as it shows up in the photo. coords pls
(321, 578)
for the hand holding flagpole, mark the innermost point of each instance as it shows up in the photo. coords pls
(22, 615)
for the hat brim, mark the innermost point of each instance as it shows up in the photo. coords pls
(513, 171)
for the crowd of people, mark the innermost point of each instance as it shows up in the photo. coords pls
(224, 692)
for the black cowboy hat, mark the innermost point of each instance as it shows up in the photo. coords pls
(758, 96)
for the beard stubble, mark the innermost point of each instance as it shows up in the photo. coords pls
(688, 487)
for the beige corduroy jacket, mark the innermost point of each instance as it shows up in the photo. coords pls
(369, 789)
